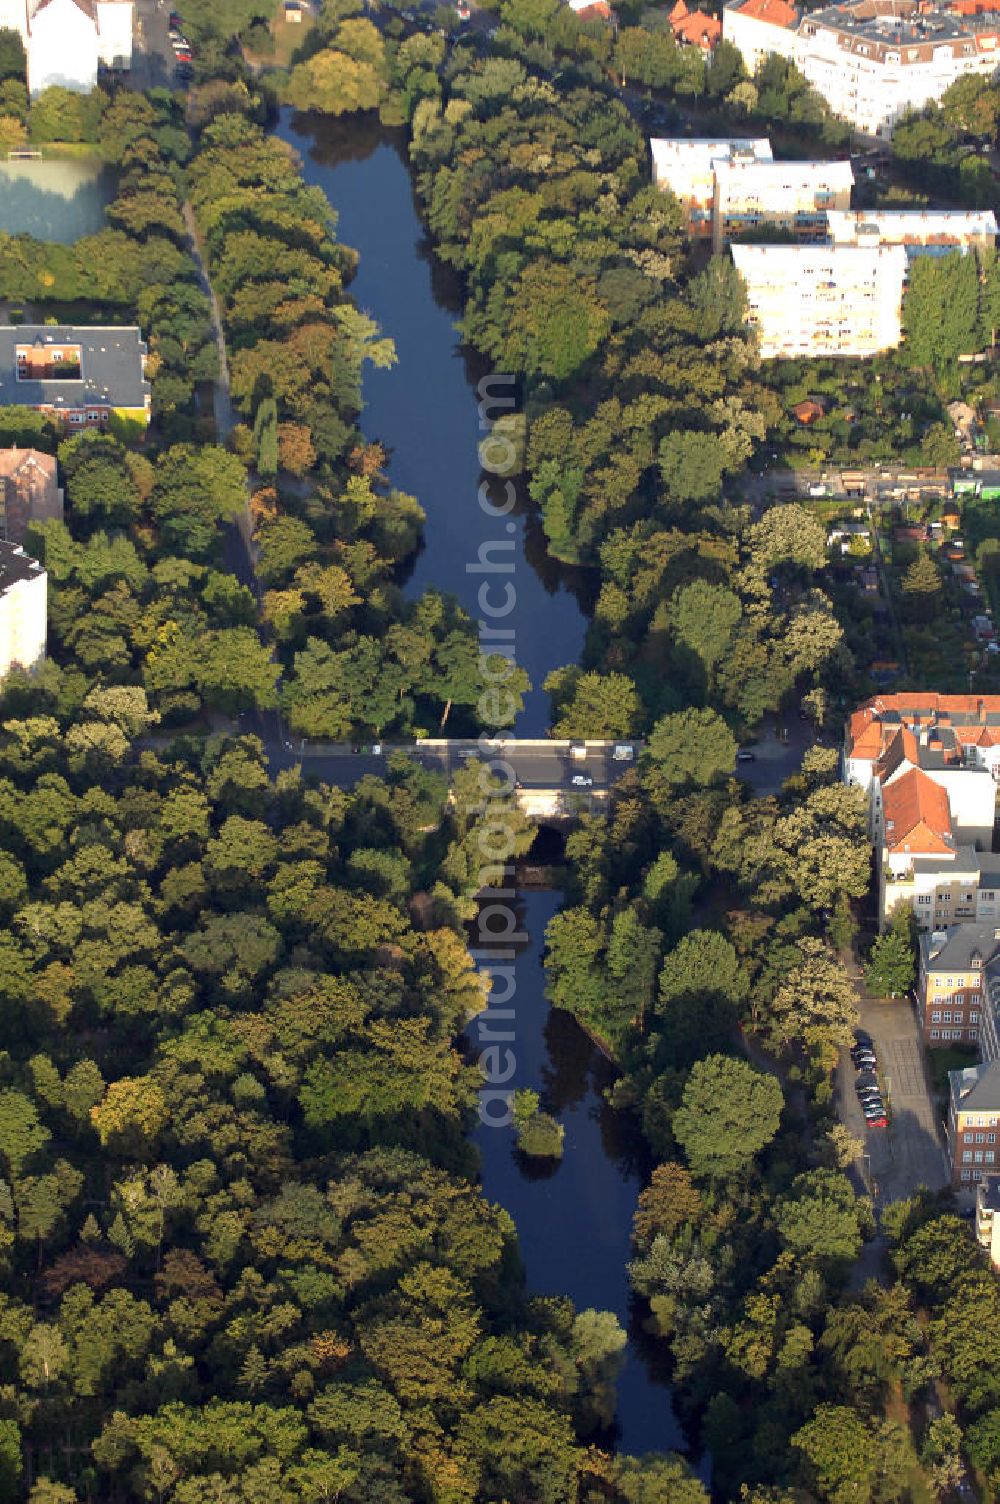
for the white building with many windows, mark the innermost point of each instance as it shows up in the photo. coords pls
(813, 300)
(872, 60)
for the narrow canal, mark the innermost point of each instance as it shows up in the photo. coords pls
(425, 409)
(573, 1218)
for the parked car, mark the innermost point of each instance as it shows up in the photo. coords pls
(861, 1036)
(743, 755)
(882, 1122)
(623, 752)
(581, 780)
(864, 1060)
(462, 11)
(174, 21)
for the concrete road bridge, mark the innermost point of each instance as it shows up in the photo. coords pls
(553, 778)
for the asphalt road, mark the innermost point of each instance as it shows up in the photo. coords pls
(910, 1152)
(533, 766)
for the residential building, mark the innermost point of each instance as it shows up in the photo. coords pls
(973, 1114)
(758, 28)
(988, 1216)
(813, 300)
(23, 605)
(687, 168)
(732, 186)
(65, 41)
(930, 764)
(694, 28)
(872, 60)
(850, 537)
(922, 231)
(78, 375)
(792, 196)
(958, 986)
(29, 491)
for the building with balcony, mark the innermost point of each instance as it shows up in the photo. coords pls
(872, 60)
(973, 1120)
(753, 195)
(923, 232)
(815, 300)
(686, 167)
(78, 375)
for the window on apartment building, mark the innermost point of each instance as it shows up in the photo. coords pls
(990, 1156)
(979, 1156)
(967, 1156)
(973, 1033)
(947, 1015)
(966, 1174)
(935, 1033)
(988, 897)
(973, 1016)
(936, 1016)
(980, 1138)
(991, 1138)
(959, 998)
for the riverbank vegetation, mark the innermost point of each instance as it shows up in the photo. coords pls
(642, 393)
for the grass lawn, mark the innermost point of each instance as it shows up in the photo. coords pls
(288, 37)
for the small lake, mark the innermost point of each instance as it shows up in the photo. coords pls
(425, 408)
(58, 198)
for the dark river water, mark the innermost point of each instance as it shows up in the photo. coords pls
(425, 409)
(573, 1219)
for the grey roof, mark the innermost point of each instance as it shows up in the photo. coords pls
(960, 945)
(16, 565)
(111, 367)
(977, 1088)
(989, 1193)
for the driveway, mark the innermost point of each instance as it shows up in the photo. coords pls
(775, 760)
(153, 62)
(910, 1152)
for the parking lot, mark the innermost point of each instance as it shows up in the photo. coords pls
(153, 63)
(910, 1152)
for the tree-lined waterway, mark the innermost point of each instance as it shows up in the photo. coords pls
(573, 1219)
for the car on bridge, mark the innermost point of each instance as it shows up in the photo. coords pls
(581, 781)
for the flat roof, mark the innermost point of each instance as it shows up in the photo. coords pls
(111, 366)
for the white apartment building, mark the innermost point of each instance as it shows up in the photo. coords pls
(872, 60)
(758, 28)
(687, 168)
(921, 231)
(66, 40)
(793, 196)
(814, 300)
(23, 606)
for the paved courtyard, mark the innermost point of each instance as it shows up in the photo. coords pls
(910, 1152)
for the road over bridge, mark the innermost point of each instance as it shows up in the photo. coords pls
(552, 777)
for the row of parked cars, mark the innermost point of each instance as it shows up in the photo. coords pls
(182, 49)
(866, 1084)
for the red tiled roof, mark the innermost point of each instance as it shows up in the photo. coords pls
(697, 29)
(775, 12)
(917, 816)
